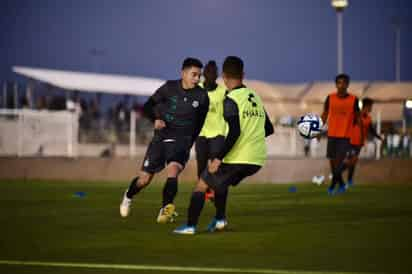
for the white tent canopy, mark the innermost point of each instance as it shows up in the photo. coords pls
(389, 91)
(92, 82)
(280, 99)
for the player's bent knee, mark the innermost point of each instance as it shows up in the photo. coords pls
(144, 180)
(174, 169)
(201, 186)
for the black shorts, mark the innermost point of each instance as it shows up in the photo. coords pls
(337, 147)
(228, 174)
(354, 151)
(163, 151)
(207, 148)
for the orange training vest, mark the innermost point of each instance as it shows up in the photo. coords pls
(341, 115)
(355, 134)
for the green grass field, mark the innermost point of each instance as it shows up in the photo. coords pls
(271, 230)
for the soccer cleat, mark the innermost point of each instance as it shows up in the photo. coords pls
(349, 184)
(125, 206)
(217, 225)
(185, 230)
(341, 189)
(167, 214)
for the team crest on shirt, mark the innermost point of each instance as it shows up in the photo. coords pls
(195, 104)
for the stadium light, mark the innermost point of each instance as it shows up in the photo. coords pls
(408, 104)
(339, 6)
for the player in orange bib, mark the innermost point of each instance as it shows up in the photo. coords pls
(358, 135)
(340, 112)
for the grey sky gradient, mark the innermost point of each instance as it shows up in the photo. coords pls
(279, 40)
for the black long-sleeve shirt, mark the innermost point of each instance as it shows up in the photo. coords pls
(231, 115)
(183, 111)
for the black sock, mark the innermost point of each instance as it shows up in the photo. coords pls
(337, 177)
(351, 171)
(169, 191)
(340, 168)
(196, 205)
(340, 180)
(334, 181)
(133, 188)
(344, 167)
(220, 203)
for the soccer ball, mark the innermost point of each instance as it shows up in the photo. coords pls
(309, 125)
(318, 179)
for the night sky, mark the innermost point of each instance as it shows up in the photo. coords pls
(279, 40)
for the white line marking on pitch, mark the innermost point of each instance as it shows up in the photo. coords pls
(164, 268)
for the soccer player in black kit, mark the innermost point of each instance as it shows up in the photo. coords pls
(178, 110)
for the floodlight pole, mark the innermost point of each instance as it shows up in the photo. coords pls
(5, 95)
(339, 16)
(339, 6)
(396, 22)
(132, 134)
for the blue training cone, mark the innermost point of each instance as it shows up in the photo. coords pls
(292, 189)
(80, 194)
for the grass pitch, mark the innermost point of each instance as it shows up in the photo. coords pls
(271, 230)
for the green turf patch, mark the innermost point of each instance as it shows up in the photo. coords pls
(364, 230)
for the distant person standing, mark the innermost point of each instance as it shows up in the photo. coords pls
(396, 142)
(409, 147)
(358, 136)
(340, 112)
(389, 142)
(212, 136)
(405, 145)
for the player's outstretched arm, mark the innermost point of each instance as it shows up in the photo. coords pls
(325, 112)
(159, 124)
(231, 115)
(373, 132)
(204, 108)
(269, 130)
(151, 107)
(356, 110)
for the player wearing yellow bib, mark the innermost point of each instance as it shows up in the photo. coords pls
(243, 153)
(212, 136)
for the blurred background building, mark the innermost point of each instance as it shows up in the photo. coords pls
(99, 62)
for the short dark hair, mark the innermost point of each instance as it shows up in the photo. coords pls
(191, 62)
(342, 76)
(367, 101)
(211, 63)
(233, 67)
